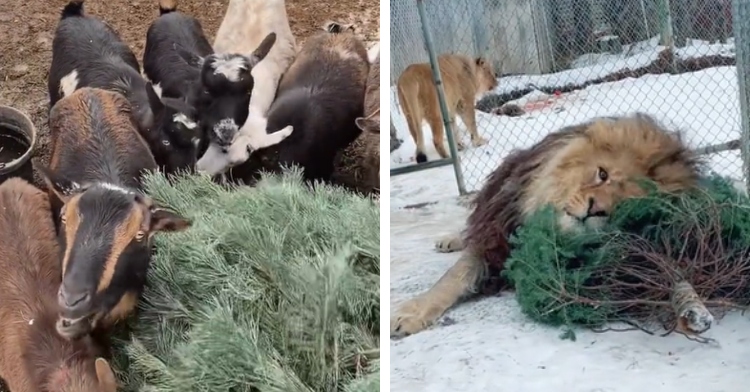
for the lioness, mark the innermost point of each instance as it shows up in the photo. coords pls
(581, 170)
(464, 80)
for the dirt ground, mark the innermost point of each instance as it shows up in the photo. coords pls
(27, 28)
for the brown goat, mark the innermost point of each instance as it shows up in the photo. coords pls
(106, 222)
(371, 120)
(357, 167)
(33, 357)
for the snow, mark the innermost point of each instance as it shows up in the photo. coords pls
(598, 65)
(703, 105)
(488, 342)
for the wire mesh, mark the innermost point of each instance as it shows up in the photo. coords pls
(561, 62)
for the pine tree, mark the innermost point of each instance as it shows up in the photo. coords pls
(635, 268)
(273, 288)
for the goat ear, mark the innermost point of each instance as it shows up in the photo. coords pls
(336, 27)
(62, 187)
(153, 98)
(105, 375)
(370, 123)
(332, 27)
(188, 56)
(265, 46)
(163, 220)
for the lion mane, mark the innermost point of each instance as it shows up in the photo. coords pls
(582, 171)
(464, 79)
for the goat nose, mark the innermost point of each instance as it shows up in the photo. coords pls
(70, 300)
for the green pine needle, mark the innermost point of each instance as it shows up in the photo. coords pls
(272, 288)
(550, 269)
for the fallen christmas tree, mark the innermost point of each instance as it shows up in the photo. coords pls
(663, 261)
(273, 288)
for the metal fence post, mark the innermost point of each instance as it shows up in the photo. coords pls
(741, 26)
(665, 21)
(441, 97)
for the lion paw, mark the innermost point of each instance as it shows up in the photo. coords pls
(460, 146)
(449, 244)
(478, 141)
(413, 316)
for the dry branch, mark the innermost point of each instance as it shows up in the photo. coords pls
(672, 263)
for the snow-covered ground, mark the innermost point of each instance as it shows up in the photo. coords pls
(488, 342)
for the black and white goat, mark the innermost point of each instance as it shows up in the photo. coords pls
(179, 59)
(246, 26)
(86, 52)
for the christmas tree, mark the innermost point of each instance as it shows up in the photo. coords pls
(668, 261)
(273, 288)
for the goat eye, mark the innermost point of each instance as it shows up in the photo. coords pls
(139, 235)
(602, 175)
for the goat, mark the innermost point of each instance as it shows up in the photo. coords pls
(33, 357)
(106, 222)
(371, 120)
(357, 167)
(321, 96)
(226, 105)
(246, 26)
(178, 82)
(179, 138)
(86, 52)
(175, 76)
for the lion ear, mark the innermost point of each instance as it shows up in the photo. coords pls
(480, 61)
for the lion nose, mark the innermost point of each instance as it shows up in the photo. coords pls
(595, 209)
(72, 300)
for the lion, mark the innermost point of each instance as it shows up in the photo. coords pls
(464, 80)
(583, 171)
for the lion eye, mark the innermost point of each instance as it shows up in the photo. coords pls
(139, 236)
(602, 175)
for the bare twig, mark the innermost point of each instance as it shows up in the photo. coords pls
(675, 280)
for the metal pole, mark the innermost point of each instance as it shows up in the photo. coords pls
(544, 10)
(441, 97)
(741, 24)
(645, 20)
(665, 19)
(667, 33)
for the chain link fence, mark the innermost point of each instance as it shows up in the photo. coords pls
(561, 62)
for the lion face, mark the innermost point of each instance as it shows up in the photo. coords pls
(588, 173)
(598, 191)
(486, 78)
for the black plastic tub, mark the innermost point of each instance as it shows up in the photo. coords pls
(17, 141)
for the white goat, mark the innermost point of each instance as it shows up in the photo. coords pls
(246, 23)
